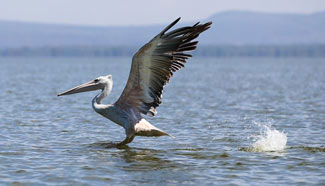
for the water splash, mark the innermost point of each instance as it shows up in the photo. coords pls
(268, 140)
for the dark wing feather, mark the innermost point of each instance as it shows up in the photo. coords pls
(153, 65)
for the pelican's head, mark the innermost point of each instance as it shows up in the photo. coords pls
(101, 82)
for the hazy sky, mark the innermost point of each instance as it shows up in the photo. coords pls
(135, 12)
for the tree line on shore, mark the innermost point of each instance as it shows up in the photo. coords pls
(315, 50)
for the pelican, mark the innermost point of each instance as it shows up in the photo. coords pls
(152, 67)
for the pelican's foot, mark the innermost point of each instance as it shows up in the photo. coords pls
(124, 142)
(104, 144)
(115, 145)
(112, 145)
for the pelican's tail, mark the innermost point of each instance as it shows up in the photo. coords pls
(144, 128)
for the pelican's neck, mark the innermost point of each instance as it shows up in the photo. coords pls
(97, 101)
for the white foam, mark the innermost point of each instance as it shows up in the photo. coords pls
(269, 140)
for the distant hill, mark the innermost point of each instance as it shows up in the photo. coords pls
(235, 27)
(230, 28)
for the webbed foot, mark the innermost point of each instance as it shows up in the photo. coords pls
(124, 142)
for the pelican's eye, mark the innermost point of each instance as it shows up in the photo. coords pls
(96, 80)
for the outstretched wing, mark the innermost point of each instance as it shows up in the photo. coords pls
(153, 65)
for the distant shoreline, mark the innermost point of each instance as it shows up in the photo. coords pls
(313, 50)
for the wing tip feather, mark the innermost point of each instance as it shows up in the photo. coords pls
(169, 26)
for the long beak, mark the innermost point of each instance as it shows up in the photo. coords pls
(90, 86)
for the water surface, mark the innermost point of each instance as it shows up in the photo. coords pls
(215, 108)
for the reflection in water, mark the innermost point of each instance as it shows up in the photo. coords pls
(146, 159)
(150, 165)
(137, 158)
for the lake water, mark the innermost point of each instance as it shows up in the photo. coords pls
(238, 121)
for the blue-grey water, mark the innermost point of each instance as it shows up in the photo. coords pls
(214, 107)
